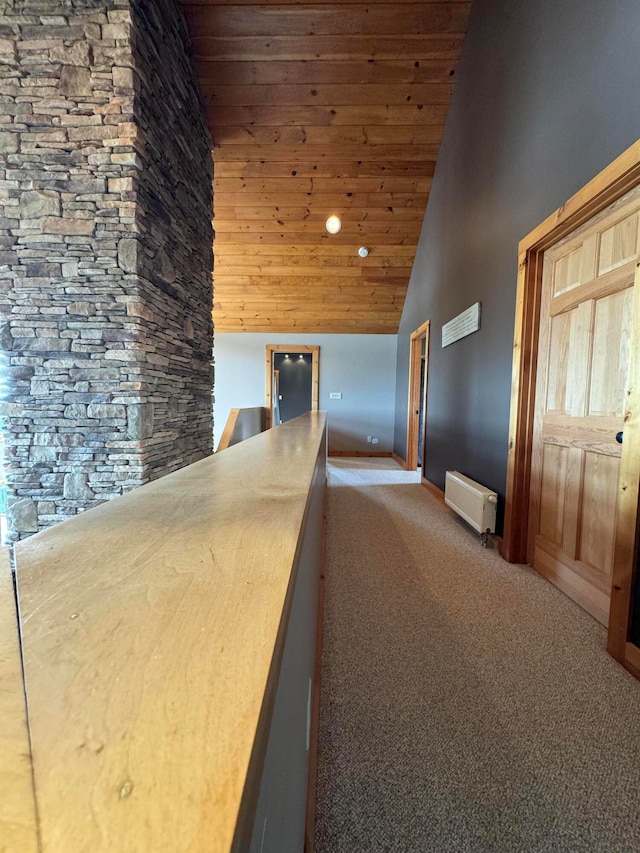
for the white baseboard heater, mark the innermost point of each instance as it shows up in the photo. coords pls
(476, 504)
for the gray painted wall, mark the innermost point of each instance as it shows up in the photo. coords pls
(362, 367)
(547, 95)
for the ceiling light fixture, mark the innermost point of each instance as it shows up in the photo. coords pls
(363, 251)
(333, 224)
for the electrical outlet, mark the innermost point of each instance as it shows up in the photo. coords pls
(374, 441)
(335, 395)
(369, 439)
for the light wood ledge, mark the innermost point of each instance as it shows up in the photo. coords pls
(154, 628)
(18, 831)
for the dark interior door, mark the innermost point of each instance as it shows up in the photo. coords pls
(295, 373)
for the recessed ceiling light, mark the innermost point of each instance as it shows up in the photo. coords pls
(333, 224)
(363, 251)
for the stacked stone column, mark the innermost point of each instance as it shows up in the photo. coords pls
(105, 253)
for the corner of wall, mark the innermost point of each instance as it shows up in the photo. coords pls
(105, 238)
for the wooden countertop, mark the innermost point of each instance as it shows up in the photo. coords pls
(149, 627)
(17, 810)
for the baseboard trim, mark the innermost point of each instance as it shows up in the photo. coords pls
(380, 454)
(401, 462)
(436, 491)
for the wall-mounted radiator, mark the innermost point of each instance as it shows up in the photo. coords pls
(476, 504)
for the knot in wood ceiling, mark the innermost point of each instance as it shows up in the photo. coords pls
(318, 109)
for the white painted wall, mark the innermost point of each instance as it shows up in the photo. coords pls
(362, 367)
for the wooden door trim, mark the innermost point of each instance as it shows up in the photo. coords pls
(614, 181)
(624, 555)
(271, 349)
(415, 358)
(610, 184)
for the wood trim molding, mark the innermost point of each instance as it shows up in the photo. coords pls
(614, 181)
(354, 454)
(227, 432)
(315, 373)
(414, 402)
(239, 419)
(631, 660)
(401, 462)
(436, 491)
(624, 555)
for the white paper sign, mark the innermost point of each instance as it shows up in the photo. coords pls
(462, 325)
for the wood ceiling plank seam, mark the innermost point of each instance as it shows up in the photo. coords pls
(237, 293)
(306, 239)
(331, 136)
(314, 19)
(334, 95)
(294, 214)
(297, 314)
(232, 267)
(322, 200)
(368, 278)
(332, 289)
(310, 294)
(327, 169)
(323, 249)
(350, 327)
(296, 185)
(321, 72)
(361, 231)
(193, 4)
(375, 310)
(334, 47)
(280, 152)
(354, 116)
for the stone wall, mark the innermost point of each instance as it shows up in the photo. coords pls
(175, 242)
(105, 253)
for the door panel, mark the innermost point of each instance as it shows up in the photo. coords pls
(600, 485)
(618, 244)
(583, 364)
(560, 342)
(610, 364)
(575, 266)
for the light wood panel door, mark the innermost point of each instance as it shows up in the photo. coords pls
(583, 368)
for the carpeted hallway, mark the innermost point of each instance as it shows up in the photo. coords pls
(467, 705)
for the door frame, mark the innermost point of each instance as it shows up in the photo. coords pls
(413, 410)
(613, 182)
(271, 349)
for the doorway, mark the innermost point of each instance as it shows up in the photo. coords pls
(418, 373)
(292, 373)
(293, 383)
(574, 444)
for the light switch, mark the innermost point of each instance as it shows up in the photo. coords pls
(335, 395)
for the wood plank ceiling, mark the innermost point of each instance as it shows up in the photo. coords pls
(317, 109)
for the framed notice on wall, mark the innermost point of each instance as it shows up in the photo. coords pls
(464, 324)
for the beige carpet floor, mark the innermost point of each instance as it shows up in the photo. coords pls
(467, 705)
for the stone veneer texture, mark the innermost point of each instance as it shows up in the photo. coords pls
(105, 253)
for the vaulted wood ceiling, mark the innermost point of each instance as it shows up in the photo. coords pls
(317, 109)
